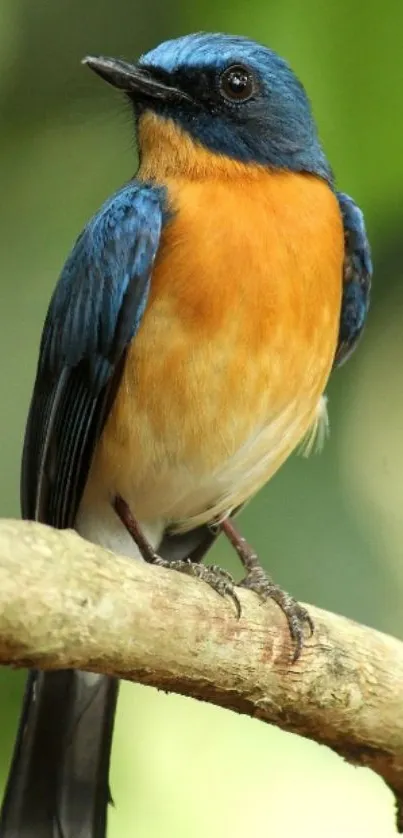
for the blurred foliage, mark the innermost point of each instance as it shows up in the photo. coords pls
(331, 528)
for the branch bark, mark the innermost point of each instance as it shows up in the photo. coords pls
(67, 603)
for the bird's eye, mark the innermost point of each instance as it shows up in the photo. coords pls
(237, 83)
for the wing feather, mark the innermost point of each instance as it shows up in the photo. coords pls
(94, 313)
(356, 280)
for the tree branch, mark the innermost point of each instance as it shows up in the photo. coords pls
(67, 603)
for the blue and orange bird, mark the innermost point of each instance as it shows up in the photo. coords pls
(184, 356)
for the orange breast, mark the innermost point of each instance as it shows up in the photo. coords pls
(227, 370)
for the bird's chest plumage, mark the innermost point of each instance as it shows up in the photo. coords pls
(226, 373)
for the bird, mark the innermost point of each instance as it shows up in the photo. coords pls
(184, 356)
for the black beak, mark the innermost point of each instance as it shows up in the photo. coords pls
(134, 79)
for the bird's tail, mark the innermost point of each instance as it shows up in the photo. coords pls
(58, 783)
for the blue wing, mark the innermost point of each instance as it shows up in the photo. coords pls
(356, 280)
(94, 313)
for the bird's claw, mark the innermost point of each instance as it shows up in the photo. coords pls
(297, 616)
(217, 578)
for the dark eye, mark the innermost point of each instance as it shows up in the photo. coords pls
(237, 83)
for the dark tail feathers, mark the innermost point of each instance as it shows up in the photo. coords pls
(58, 782)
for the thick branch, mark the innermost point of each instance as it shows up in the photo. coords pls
(67, 603)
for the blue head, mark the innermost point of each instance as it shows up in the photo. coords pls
(230, 94)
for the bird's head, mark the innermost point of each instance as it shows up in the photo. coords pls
(217, 94)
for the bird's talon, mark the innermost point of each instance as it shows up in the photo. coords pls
(297, 617)
(225, 574)
(220, 580)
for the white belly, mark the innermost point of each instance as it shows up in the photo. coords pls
(182, 500)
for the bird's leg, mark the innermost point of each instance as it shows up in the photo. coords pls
(220, 580)
(259, 581)
(128, 520)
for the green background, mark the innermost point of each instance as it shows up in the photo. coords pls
(330, 528)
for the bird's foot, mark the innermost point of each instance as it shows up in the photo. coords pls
(259, 581)
(216, 577)
(297, 616)
(219, 580)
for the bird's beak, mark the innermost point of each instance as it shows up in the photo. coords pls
(133, 79)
